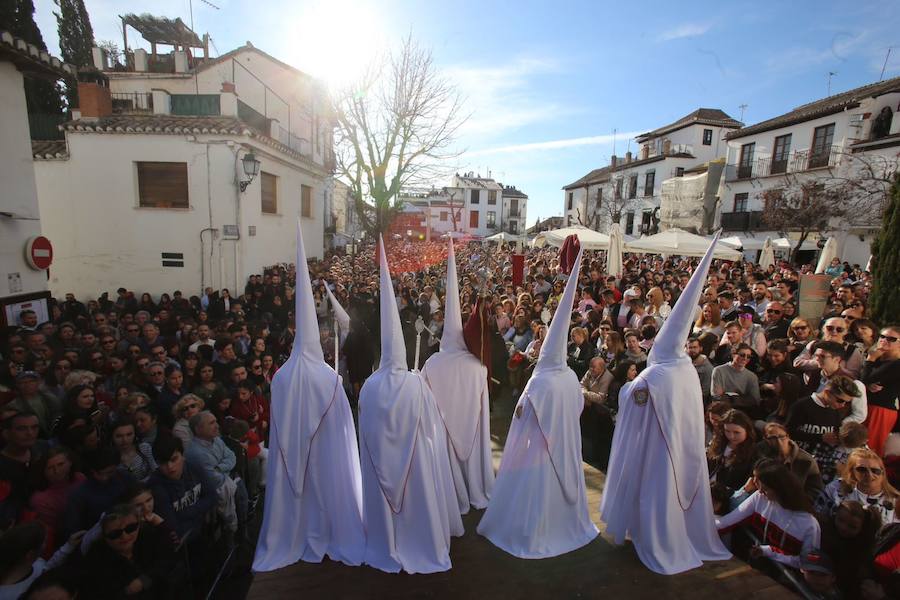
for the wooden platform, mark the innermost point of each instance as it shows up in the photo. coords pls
(481, 570)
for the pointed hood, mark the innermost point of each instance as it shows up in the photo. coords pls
(669, 342)
(393, 348)
(306, 337)
(553, 350)
(340, 315)
(452, 338)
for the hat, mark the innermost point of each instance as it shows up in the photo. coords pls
(815, 560)
(23, 375)
(630, 293)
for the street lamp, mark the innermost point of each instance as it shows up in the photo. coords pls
(251, 169)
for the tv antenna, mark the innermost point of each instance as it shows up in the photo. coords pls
(884, 66)
(830, 75)
(191, 9)
(743, 107)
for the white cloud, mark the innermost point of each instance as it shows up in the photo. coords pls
(594, 140)
(685, 30)
(503, 98)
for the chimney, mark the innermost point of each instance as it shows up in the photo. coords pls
(667, 146)
(645, 151)
(628, 157)
(612, 162)
(94, 100)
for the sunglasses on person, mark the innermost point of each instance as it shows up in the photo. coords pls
(874, 471)
(744, 355)
(801, 327)
(133, 329)
(114, 534)
(888, 338)
(109, 341)
(835, 329)
(773, 311)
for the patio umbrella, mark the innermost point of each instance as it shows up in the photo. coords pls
(829, 252)
(767, 256)
(588, 238)
(614, 254)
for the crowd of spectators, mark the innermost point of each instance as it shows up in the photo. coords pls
(134, 430)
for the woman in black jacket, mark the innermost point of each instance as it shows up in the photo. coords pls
(580, 351)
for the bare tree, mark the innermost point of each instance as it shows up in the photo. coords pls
(853, 194)
(395, 128)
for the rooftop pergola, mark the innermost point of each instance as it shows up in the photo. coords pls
(160, 30)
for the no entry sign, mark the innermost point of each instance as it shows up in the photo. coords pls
(38, 253)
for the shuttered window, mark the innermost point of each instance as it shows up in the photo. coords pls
(306, 201)
(163, 184)
(269, 193)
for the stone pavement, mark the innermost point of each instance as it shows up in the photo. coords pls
(480, 570)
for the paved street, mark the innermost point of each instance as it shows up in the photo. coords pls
(481, 570)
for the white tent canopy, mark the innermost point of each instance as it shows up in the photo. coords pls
(503, 236)
(681, 243)
(749, 242)
(588, 238)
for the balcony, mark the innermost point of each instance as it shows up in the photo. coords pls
(743, 221)
(804, 160)
(800, 160)
(132, 102)
(515, 213)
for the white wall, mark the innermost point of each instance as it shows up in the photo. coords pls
(104, 240)
(19, 195)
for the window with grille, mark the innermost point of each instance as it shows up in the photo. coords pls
(162, 184)
(649, 183)
(740, 202)
(707, 137)
(492, 196)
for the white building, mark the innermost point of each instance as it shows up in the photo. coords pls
(471, 205)
(345, 226)
(630, 187)
(149, 190)
(824, 142)
(22, 284)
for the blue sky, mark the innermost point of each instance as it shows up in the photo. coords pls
(546, 83)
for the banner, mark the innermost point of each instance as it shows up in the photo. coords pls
(518, 269)
(815, 290)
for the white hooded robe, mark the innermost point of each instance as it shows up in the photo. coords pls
(539, 505)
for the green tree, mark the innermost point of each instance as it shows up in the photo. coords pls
(884, 303)
(76, 38)
(41, 96)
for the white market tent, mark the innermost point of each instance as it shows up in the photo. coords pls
(588, 238)
(503, 236)
(751, 243)
(680, 243)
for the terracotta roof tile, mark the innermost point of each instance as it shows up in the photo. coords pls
(701, 116)
(31, 58)
(820, 108)
(49, 149)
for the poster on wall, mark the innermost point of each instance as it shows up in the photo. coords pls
(13, 309)
(814, 293)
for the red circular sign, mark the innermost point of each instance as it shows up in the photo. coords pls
(39, 253)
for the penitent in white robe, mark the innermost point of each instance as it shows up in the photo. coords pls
(313, 503)
(459, 383)
(657, 484)
(539, 505)
(409, 503)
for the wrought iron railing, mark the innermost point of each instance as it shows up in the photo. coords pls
(132, 102)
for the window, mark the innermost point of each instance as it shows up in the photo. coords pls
(745, 167)
(444, 215)
(162, 184)
(618, 188)
(491, 219)
(306, 201)
(649, 182)
(645, 221)
(514, 207)
(599, 199)
(492, 196)
(569, 201)
(474, 199)
(629, 222)
(473, 219)
(632, 186)
(781, 149)
(707, 137)
(513, 227)
(821, 147)
(269, 184)
(679, 171)
(740, 202)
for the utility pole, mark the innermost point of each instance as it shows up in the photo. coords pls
(884, 66)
